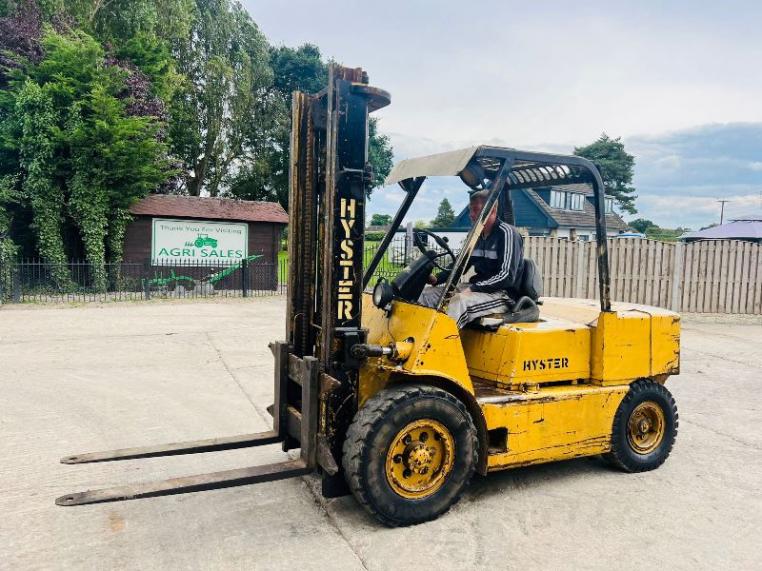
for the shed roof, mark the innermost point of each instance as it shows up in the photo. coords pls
(172, 205)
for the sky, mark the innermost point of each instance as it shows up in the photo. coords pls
(679, 81)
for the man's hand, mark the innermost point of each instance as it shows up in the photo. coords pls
(432, 279)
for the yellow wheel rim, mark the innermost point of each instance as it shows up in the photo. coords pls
(420, 458)
(645, 429)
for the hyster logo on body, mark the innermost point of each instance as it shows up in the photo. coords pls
(543, 364)
(346, 260)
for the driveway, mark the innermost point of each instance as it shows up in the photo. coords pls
(78, 379)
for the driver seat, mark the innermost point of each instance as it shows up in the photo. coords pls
(525, 309)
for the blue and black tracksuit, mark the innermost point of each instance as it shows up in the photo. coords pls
(497, 260)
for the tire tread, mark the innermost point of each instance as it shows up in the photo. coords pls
(617, 457)
(369, 419)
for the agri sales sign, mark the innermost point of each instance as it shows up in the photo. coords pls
(193, 241)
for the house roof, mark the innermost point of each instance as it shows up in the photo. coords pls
(746, 228)
(567, 218)
(584, 218)
(172, 205)
(582, 187)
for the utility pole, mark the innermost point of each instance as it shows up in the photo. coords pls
(722, 208)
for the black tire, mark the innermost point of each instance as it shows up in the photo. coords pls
(377, 426)
(627, 452)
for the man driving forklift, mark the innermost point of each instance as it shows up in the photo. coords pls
(497, 263)
(388, 398)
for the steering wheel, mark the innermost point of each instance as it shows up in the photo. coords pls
(441, 242)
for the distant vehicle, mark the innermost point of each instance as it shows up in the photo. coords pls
(631, 235)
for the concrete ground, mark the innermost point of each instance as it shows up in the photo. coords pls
(99, 377)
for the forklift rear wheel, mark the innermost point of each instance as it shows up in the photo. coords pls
(645, 427)
(409, 454)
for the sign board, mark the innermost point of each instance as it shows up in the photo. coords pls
(188, 241)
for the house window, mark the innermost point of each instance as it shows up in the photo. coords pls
(566, 200)
(576, 201)
(609, 205)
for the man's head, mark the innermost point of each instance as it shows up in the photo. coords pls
(475, 206)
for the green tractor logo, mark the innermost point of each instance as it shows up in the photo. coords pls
(203, 240)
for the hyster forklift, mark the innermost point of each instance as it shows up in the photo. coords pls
(388, 399)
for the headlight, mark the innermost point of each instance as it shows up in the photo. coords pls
(382, 294)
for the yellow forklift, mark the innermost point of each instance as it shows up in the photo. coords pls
(389, 400)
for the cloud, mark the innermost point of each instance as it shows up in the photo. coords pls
(530, 73)
(679, 175)
(387, 200)
(695, 211)
(409, 146)
(714, 154)
(679, 83)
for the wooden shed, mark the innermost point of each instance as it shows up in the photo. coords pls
(185, 229)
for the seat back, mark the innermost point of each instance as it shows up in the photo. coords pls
(524, 309)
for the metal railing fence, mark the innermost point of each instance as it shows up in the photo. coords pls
(723, 276)
(39, 281)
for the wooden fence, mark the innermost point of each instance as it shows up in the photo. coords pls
(723, 276)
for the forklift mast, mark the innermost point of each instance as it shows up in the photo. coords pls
(316, 369)
(329, 175)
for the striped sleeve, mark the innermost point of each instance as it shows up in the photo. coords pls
(511, 255)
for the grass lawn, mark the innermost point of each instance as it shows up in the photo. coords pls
(386, 268)
(282, 267)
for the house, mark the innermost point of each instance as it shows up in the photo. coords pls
(170, 229)
(748, 228)
(562, 211)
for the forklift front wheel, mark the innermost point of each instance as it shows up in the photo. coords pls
(645, 427)
(409, 453)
